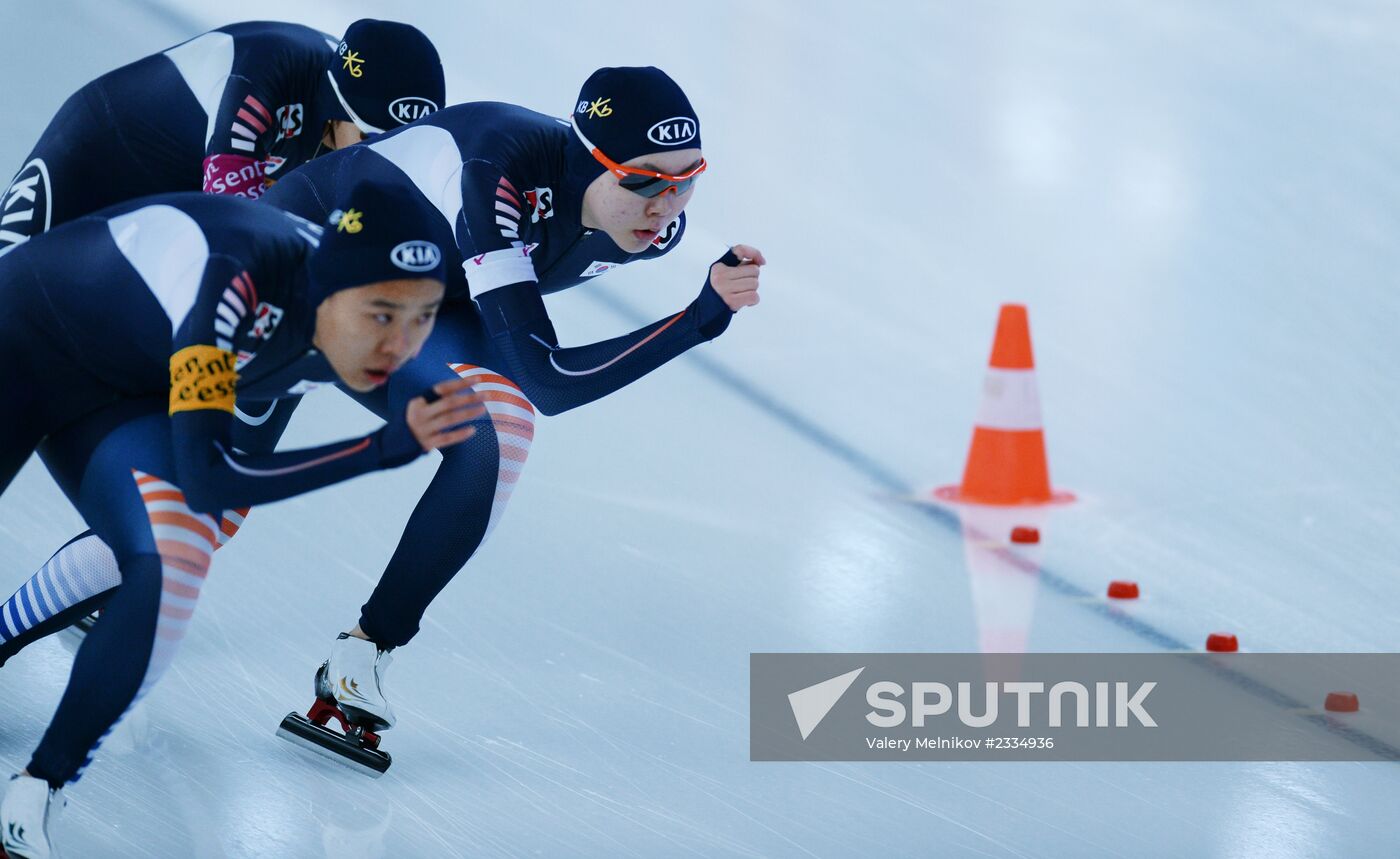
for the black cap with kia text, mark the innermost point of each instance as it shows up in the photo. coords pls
(384, 74)
(376, 233)
(636, 110)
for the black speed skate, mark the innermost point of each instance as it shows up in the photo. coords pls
(355, 744)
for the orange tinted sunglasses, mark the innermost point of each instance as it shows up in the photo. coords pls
(647, 183)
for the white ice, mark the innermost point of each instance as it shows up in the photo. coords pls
(1197, 200)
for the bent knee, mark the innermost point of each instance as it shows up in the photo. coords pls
(510, 417)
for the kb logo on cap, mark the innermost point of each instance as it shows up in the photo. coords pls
(416, 255)
(353, 63)
(673, 131)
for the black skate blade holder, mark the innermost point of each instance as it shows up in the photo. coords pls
(356, 746)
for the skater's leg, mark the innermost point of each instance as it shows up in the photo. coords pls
(83, 572)
(75, 582)
(163, 550)
(108, 673)
(41, 389)
(473, 483)
(15, 449)
(19, 433)
(21, 427)
(453, 517)
(460, 507)
(30, 410)
(71, 585)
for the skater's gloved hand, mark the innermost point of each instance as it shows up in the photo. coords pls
(436, 419)
(732, 284)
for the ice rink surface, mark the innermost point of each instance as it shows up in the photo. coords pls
(1198, 201)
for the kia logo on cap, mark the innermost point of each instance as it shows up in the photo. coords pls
(409, 108)
(416, 256)
(673, 131)
(28, 199)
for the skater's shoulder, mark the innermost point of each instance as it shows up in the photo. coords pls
(218, 225)
(493, 130)
(267, 34)
(486, 116)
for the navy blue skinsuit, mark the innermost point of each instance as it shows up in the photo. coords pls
(509, 183)
(224, 112)
(127, 387)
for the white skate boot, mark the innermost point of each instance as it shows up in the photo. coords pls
(350, 692)
(29, 812)
(354, 678)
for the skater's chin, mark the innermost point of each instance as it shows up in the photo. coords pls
(366, 380)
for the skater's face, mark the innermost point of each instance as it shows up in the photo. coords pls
(370, 331)
(630, 219)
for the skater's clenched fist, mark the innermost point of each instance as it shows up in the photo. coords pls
(439, 424)
(737, 282)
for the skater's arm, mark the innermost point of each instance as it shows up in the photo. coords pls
(503, 282)
(214, 476)
(204, 390)
(557, 378)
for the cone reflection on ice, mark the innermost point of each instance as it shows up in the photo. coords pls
(1006, 464)
(1003, 583)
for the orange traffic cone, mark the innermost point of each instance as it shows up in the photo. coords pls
(1006, 465)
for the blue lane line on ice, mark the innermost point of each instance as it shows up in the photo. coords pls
(890, 482)
(814, 433)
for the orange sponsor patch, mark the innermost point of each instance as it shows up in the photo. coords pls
(202, 377)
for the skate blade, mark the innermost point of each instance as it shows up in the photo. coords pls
(304, 733)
